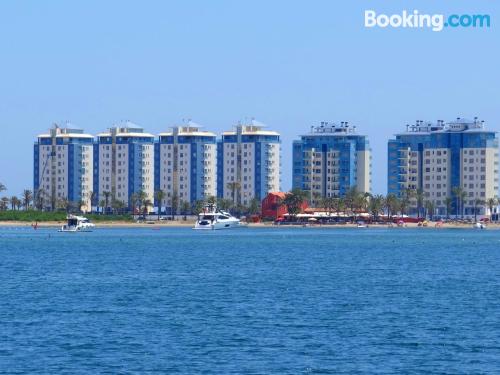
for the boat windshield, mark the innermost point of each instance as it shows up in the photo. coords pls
(72, 222)
(207, 217)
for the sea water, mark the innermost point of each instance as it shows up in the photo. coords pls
(250, 301)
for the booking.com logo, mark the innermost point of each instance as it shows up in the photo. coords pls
(435, 22)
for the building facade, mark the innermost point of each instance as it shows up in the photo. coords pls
(439, 159)
(330, 160)
(248, 163)
(124, 164)
(63, 168)
(185, 166)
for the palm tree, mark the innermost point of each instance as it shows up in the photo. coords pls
(174, 203)
(391, 204)
(4, 203)
(15, 203)
(350, 198)
(376, 205)
(477, 204)
(448, 202)
(102, 204)
(39, 198)
(430, 207)
(211, 199)
(419, 195)
(491, 202)
(460, 196)
(107, 195)
(93, 199)
(64, 203)
(27, 198)
(159, 197)
(2, 187)
(224, 204)
(185, 208)
(234, 187)
(293, 201)
(340, 206)
(118, 206)
(254, 206)
(197, 206)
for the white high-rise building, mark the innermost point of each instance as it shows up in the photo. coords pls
(185, 165)
(124, 164)
(63, 168)
(248, 163)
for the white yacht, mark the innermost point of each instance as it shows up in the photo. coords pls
(212, 218)
(77, 224)
(479, 225)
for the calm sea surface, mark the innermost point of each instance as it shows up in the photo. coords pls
(250, 301)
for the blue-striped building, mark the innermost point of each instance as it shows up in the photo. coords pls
(62, 167)
(330, 160)
(124, 164)
(248, 163)
(437, 158)
(185, 165)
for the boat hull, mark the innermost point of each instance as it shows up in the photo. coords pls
(217, 225)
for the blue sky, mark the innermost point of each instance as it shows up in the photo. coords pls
(289, 64)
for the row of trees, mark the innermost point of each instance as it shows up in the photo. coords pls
(356, 202)
(411, 201)
(139, 203)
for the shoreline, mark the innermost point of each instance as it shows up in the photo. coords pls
(189, 224)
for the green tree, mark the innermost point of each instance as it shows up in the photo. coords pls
(27, 198)
(460, 196)
(419, 197)
(477, 205)
(107, 196)
(63, 204)
(197, 206)
(4, 203)
(235, 190)
(39, 198)
(376, 205)
(448, 201)
(491, 203)
(159, 196)
(93, 199)
(185, 209)
(224, 204)
(2, 187)
(430, 208)
(254, 207)
(293, 201)
(174, 204)
(391, 205)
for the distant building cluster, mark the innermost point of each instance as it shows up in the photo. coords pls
(440, 161)
(185, 164)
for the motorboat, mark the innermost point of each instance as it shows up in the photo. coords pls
(479, 225)
(361, 224)
(77, 224)
(213, 218)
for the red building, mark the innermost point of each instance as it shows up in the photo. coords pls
(272, 207)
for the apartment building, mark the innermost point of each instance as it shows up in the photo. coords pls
(185, 165)
(331, 159)
(248, 163)
(62, 167)
(437, 158)
(124, 164)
